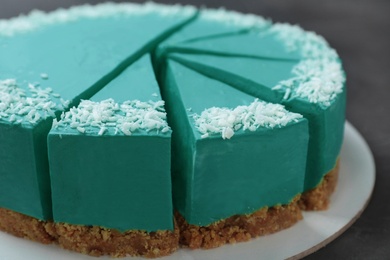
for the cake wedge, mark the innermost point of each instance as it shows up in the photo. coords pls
(234, 158)
(110, 170)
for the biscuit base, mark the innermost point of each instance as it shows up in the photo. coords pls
(24, 226)
(91, 240)
(98, 241)
(319, 197)
(239, 228)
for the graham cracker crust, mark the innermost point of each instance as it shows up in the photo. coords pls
(318, 198)
(98, 241)
(239, 228)
(24, 226)
(91, 240)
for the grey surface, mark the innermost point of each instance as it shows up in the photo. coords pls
(360, 31)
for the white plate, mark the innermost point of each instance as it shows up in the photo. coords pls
(356, 183)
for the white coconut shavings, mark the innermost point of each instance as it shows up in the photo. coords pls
(235, 19)
(319, 76)
(37, 18)
(125, 118)
(44, 76)
(227, 121)
(27, 106)
(318, 81)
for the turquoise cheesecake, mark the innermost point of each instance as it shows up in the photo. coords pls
(133, 129)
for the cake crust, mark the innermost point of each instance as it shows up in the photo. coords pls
(24, 226)
(98, 241)
(239, 228)
(91, 240)
(319, 197)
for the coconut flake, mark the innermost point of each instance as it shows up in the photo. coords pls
(127, 118)
(102, 130)
(44, 76)
(226, 122)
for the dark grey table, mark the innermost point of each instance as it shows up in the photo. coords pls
(360, 31)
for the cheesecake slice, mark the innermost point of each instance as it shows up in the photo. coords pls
(110, 161)
(233, 156)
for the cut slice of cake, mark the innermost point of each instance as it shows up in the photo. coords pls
(312, 86)
(52, 61)
(238, 163)
(110, 170)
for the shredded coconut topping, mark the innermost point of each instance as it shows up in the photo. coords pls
(227, 121)
(319, 76)
(106, 115)
(234, 18)
(19, 106)
(44, 76)
(38, 18)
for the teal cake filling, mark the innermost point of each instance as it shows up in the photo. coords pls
(285, 81)
(63, 51)
(27, 187)
(116, 177)
(214, 178)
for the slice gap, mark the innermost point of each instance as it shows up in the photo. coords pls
(211, 24)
